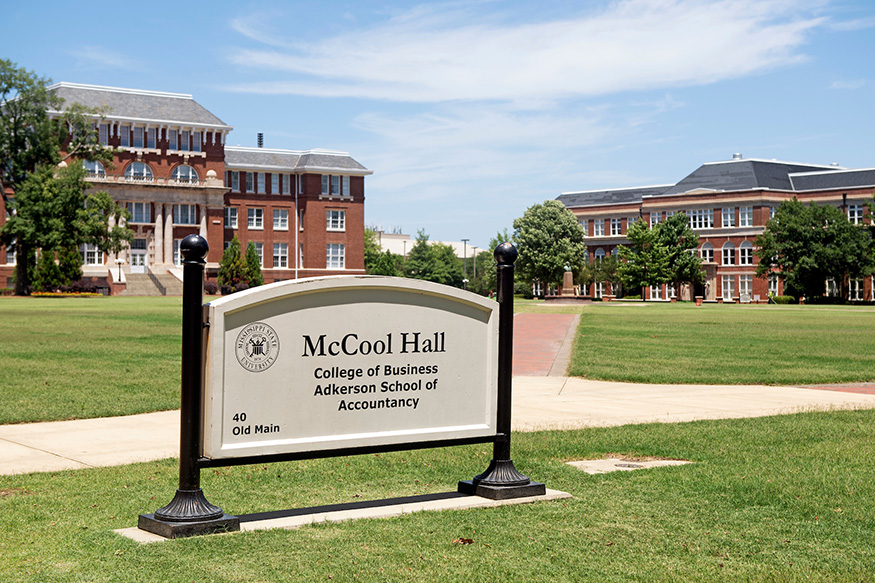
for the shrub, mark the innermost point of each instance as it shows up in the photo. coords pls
(241, 286)
(785, 300)
(211, 288)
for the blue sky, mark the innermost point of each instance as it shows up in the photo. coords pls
(470, 112)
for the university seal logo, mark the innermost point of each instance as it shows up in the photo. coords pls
(257, 347)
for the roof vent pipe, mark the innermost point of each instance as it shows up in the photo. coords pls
(260, 140)
(835, 165)
(737, 156)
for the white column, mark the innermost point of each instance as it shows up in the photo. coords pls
(203, 211)
(159, 233)
(168, 234)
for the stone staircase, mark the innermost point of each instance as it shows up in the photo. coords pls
(144, 284)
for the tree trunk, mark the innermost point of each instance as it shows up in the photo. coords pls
(22, 282)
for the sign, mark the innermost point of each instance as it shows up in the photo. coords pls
(341, 362)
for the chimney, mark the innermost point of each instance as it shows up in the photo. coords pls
(737, 156)
(260, 140)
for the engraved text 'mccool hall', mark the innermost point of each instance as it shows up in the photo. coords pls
(351, 345)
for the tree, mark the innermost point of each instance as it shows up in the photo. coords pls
(644, 262)
(808, 244)
(433, 262)
(548, 239)
(231, 267)
(252, 267)
(683, 263)
(50, 208)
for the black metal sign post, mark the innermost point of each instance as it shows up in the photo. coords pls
(501, 480)
(189, 513)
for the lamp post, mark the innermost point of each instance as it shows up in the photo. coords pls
(465, 260)
(119, 262)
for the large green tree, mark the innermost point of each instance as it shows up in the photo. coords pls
(808, 244)
(46, 195)
(644, 262)
(548, 239)
(433, 262)
(231, 267)
(683, 263)
(252, 266)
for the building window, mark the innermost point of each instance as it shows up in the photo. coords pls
(772, 211)
(599, 254)
(616, 227)
(151, 138)
(745, 253)
(138, 137)
(584, 224)
(335, 256)
(91, 255)
(103, 134)
(255, 219)
(287, 181)
(280, 254)
(728, 217)
(855, 213)
(654, 219)
(231, 217)
(10, 253)
(274, 183)
(335, 185)
(728, 254)
(138, 172)
(184, 138)
(331, 184)
(281, 219)
(832, 289)
(185, 174)
(728, 287)
(599, 290)
(141, 212)
(773, 284)
(745, 216)
(173, 140)
(745, 286)
(655, 292)
(324, 184)
(707, 253)
(335, 220)
(598, 227)
(124, 136)
(177, 256)
(701, 218)
(235, 181)
(260, 176)
(346, 191)
(94, 169)
(855, 289)
(184, 214)
(248, 181)
(196, 141)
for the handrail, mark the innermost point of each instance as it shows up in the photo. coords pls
(157, 283)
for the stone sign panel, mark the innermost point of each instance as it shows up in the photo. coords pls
(335, 363)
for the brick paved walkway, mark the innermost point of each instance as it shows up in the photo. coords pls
(537, 342)
(858, 388)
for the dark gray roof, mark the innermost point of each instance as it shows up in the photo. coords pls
(838, 179)
(316, 161)
(609, 197)
(743, 175)
(131, 104)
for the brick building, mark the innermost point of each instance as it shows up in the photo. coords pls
(304, 210)
(728, 204)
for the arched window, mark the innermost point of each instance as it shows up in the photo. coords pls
(728, 254)
(185, 174)
(94, 169)
(615, 252)
(138, 172)
(745, 253)
(599, 254)
(707, 253)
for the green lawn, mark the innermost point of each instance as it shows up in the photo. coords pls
(714, 344)
(788, 498)
(94, 357)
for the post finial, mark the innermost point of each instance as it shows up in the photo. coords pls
(505, 254)
(194, 248)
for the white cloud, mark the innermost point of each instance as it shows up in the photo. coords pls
(101, 57)
(435, 55)
(848, 84)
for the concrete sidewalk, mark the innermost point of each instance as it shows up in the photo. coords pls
(538, 403)
(542, 348)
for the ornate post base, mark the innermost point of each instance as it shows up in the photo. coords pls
(188, 514)
(502, 481)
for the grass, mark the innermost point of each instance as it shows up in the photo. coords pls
(712, 344)
(66, 358)
(788, 498)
